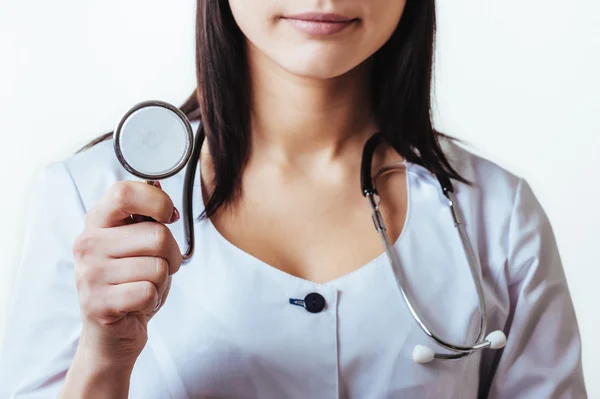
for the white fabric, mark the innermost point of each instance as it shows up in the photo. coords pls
(227, 329)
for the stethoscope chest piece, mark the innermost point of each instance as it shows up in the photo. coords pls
(153, 141)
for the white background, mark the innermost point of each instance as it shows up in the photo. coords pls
(518, 79)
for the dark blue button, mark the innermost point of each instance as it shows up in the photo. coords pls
(313, 302)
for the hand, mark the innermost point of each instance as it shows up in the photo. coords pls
(123, 270)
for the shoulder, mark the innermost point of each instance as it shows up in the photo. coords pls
(487, 177)
(100, 156)
(93, 170)
(493, 201)
(495, 195)
(501, 207)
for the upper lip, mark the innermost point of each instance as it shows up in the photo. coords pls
(320, 17)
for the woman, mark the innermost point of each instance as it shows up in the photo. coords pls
(288, 94)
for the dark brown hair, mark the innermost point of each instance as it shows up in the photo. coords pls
(401, 87)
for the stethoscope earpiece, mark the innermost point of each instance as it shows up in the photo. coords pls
(423, 354)
(497, 339)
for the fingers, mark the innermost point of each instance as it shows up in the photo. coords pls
(139, 296)
(111, 288)
(127, 198)
(143, 268)
(145, 239)
(140, 239)
(122, 264)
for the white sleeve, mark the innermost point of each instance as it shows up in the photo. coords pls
(542, 357)
(44, 323)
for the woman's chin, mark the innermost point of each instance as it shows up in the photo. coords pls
(313, 69)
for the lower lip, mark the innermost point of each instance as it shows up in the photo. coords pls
(319, 28)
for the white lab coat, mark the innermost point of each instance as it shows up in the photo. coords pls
(227, 329)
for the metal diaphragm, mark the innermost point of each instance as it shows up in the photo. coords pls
(153, 140)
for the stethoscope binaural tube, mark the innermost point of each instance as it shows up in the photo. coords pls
(188, 194)
(421, 353)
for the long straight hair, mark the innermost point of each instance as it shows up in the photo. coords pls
(401, 94)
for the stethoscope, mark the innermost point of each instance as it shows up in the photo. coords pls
(423, 354)
(154, 140)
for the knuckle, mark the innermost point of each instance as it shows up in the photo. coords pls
(179, 259)
(85, 275)
(79, 277)
(166, 206)
(162, 269)
(88, 296)
(87, 302)
(162, 236)
(148, 292)
(121, 193)
(83, 245)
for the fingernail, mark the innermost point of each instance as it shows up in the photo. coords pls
(174, 216)
(157, 184)
(158, 303)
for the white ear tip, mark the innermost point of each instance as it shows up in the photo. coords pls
(423, 354)
(497, 339)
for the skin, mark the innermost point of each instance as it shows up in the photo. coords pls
(310, 118)
(122, 270)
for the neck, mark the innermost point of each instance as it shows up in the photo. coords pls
(296, 119)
